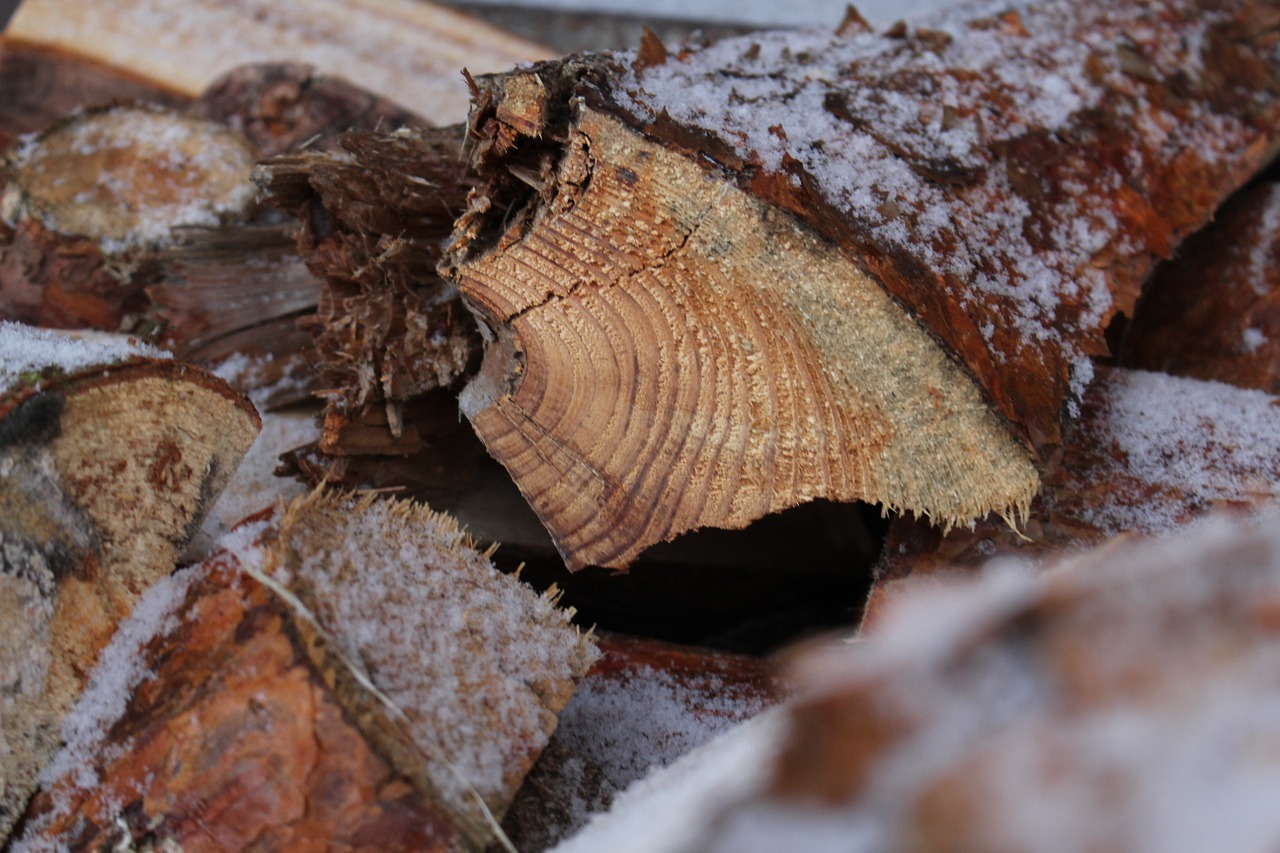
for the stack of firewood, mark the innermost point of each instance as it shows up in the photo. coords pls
(977, 308)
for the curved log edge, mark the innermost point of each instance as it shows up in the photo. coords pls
(671, 347)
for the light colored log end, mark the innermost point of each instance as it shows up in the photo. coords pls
(671, 353)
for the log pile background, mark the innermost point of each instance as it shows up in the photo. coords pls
(635, 313)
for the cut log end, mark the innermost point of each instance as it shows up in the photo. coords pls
(126, 176)
(670, 353)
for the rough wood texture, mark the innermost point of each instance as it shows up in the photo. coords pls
(278, 762)
(869, 267)
(1214, 311)
(370, 656)
(643, 705)
(107, 474)
(409, 52)
(88, 202)
(388, 328)
(1135, 461)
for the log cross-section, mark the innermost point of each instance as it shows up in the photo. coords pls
(726, 280)
(688, 357)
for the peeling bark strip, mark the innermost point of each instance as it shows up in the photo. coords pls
(851, 266)
(106, 471)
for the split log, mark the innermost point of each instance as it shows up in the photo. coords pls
(643, 706)
(1150, 453)
(1135, 685)
(723, 281)
(110, 457)
(356, 672)
(94, 197)
(41, 86)
(408, 52)
(1214, 311)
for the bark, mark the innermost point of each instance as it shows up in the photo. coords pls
(108, 473)
(1130, 465)
(324, 712)
(1017, 705)
(405, 52)
(1214, 311)
(964, 209)
(643, 705)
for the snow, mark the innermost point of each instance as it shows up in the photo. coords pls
(665, 809)
(1199, 443)
(907, 155)
(620, 726)
(120, 669)
(26, 350)
(474, 658)
(1137, 686)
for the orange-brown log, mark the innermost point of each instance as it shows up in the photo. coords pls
(345, 649)
(721, 281)
(1213, 312)
(110, 460)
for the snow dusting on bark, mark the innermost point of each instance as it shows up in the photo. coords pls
(477, 661)
(1190, 444)
(1009, 160)
(1136, 684)
(27, 352)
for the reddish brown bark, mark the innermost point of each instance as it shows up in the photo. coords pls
(1008, 181)
(1213, 312)
(237, 741)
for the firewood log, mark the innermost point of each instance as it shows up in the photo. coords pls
(642, 706)
(724, 280)
(89, 202)
(1213, 312)
(407, 52)
(1149, 453)
(110, 457)
(348, 672)
(1122, 701)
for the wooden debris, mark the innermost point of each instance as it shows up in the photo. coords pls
(110, 458)
(388, 328)
(398, 687)
(408, 52)
(861, 267)
(1133, 462)
(643, 705)
(1214, 311)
